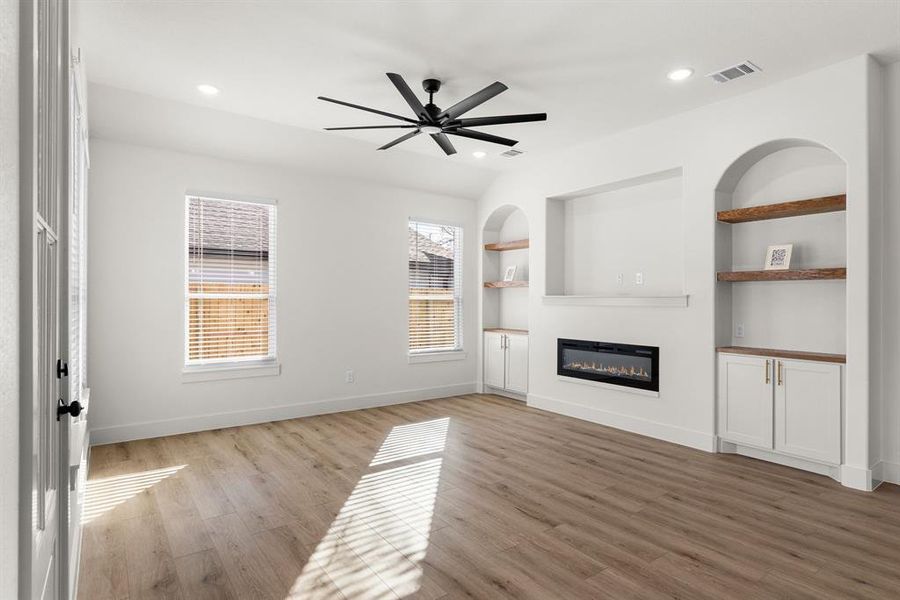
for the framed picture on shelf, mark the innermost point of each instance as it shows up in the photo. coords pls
(778, 258)
(510, 273)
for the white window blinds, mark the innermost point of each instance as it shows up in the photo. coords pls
(435, 287)
(230, 283)
(78, 163)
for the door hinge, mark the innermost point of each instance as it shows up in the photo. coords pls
(62, 369)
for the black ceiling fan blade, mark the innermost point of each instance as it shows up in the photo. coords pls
(473, 100)
(444, 142)
(501, 120)
(408, 95)
(371, 127)
(484, 137)
(402, 138)
(371, 110)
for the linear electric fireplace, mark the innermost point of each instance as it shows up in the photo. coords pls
(619, 364)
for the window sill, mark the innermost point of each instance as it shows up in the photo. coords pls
(430, 357)
(198, 373)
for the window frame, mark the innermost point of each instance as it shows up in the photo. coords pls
(441, 354)
(230, 367)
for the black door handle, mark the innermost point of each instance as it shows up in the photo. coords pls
(73, 408)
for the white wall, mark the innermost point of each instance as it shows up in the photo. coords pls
(9, 295)
(891, 272)
(829, 106)
(342, 285)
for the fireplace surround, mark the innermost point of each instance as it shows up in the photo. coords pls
(626, 365)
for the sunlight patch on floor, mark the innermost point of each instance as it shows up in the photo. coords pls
(103, 495)
(375, 545)
(417, 439)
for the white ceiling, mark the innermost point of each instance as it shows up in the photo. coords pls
(594, 67)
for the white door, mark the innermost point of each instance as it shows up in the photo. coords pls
(808, 410)
(745, 400)
(517, 363)
(494, 359)
(43, 164)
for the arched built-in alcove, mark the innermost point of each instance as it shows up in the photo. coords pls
(806, 314)
(505, 237)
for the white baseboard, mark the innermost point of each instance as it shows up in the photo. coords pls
(857, 478)
(661, 431)
(833, 471)
(888, 472)
(487, 389)
(152, 429)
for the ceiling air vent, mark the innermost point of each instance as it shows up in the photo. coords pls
(512, 153)
(731, 73)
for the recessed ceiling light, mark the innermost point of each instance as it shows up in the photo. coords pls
(479, 154)
(207, 90)
(680, 74)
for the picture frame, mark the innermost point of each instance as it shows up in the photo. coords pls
(778, 257)
(510, 273)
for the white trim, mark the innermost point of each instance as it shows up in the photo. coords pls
(151, 429)
(230, 197)
(489, 389)
(833, 471)
(432, 221)
(609, 386)
(430, 357)
(678, 301)
(700, 440)
(231, 370)
(856, 478)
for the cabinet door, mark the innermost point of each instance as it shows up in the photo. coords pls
(745, 400)
(808, 410)
(517, 363)
(494, 359)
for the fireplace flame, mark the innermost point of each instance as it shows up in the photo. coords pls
(621, 371)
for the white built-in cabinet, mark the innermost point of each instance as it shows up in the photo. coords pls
(506, 361)
(791, 407)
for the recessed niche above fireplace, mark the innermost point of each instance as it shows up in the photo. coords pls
(625, 365)
(622, 239)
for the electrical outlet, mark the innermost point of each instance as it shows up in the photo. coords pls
(639, 278)
(348, 376)
(620, 278)
(739, 330)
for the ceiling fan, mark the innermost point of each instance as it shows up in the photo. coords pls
(440, 123)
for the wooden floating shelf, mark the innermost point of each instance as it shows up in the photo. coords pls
(501, 246)
(787, 275)
(506, 330)
(772, 352)
(506, 284)
(796, 208)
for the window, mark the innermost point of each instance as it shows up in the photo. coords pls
(78, 173)
(230, 282)
(435, 288)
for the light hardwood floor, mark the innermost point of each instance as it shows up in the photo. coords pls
(473, 496)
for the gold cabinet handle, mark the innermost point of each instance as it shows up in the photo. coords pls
(779, 373)
(768, 380)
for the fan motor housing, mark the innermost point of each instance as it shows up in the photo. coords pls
(431, 86)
